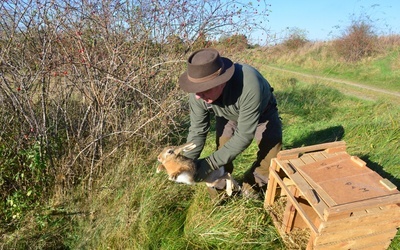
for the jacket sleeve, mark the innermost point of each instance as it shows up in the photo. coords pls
(199, 126)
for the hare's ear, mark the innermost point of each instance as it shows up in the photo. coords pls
(185, 147)
(160, 168)
(189, 146)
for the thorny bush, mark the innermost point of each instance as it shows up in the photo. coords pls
(79, 80)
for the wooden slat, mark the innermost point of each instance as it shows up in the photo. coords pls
(290, 197)
(321, 192)
(307, 159)
(289, 213)
(345, 210)
(366, 218)
(337, 149)
(297, 162)
(387, 184)
(373, 241)
(271, 186)
(329, 155)
(357, 232)
(318, 156)
(314, 200)
(358, 161)
(382, 245)
(294, 153)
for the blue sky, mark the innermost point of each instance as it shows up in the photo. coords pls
(325, 19)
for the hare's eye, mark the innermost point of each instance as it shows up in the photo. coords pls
(170, 151)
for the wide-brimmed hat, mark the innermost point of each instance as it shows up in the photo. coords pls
(206, 69)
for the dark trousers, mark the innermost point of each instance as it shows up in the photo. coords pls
(269, 140)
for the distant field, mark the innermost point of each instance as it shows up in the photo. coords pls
(361, 90)
(320, 63)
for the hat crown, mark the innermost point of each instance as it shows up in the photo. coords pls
(204, 63)
(206, 69)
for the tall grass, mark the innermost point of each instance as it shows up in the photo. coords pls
(132, 207)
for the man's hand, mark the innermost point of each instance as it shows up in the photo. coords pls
(203, 169)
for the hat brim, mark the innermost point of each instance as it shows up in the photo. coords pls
(192, 87)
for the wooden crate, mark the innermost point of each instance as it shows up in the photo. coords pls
(334, 196)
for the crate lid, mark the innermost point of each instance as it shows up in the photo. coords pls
(342, 178)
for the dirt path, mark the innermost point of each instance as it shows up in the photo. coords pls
(357, 89)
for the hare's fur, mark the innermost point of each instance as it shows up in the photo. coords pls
(178, 167)
(182, 169)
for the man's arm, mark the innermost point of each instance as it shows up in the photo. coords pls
(247, 123)
(253, 100)
(199, 126)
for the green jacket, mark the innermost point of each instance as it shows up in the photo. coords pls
(247, 99)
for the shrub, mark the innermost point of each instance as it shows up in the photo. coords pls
(23, 180)
(235, 43)
(357, 41)
(295, 39)
(87, 80)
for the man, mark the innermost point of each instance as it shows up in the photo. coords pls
(244, 107)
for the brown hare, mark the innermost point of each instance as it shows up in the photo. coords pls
(179, 168)
(182, 169)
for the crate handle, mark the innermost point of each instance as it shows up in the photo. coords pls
(388, 184)
(312, 196)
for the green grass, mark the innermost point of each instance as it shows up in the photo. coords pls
(132, 207)
(376, 72)
(148, 212)
(381, 71)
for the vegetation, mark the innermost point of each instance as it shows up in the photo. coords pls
(82, 81)
(233, 43)
(88, 97)
(358, 55)
(380, 70)
(296, 39)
